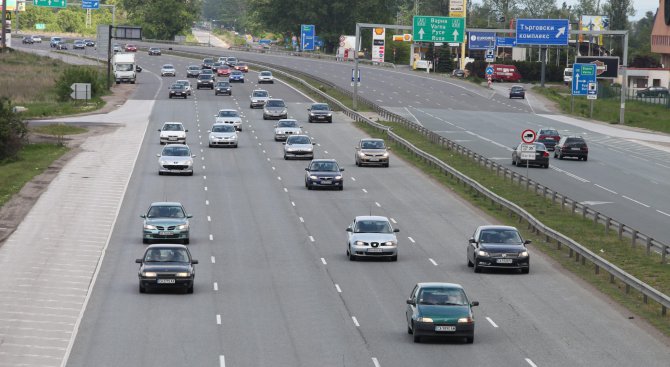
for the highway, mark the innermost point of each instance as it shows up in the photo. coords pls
(274, 287)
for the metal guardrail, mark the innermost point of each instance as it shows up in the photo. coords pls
(580, 252)
(310, 55)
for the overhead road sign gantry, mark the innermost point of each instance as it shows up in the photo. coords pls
(582, 76)
(542, 32)
(51, 3)
(438, 29)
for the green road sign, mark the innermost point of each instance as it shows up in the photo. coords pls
(438, 29)
(51, 3)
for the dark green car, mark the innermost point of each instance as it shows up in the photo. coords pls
(166, 221)
(440, 310)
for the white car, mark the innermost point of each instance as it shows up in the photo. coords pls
(372, 236)
(228, 116)
(168, 70)
(175, 158)
(298, 146)
(265, 77)
(36, 39)
(172, 132)
(258, 98)
(285, 128)
(223, 135)
(187, 86)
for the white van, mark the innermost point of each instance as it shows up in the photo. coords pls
(567, 76)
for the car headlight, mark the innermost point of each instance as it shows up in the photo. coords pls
(386, 154)
(313, 177)
(465, 320)
(149, 274)
(389, 243)
(186, 274)
(338, 177)
(189, 163)
(182, 226)
(361, 154)
(523, 254)
(329, 114)
(311, 114)
(424, 319)
(359, 243)
(483, 253)
(283, 110)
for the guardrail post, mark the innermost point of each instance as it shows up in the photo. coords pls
(648, 245)
(644, 299)
(583, 260)
(558, 245)
(627, 288)
(574, 207)
(597, 269)
(562, 202)
(664, 310)
(584, 210)
(595, 218)
(544, 191)
(570, 254)
(663, 255)
(633, 239)
(620, 230)
(608, 221)
(576, 256)
(553, 197)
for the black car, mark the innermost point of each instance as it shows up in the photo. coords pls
(178, 90)
(169, 266)
(89, 43)
(27, 40)
(501, 247)
(517, 91)
(320, 112)
(324, 173)
(653, 92)
(207, 63)
(154, 51)
(458, 73)
(223, 88)
(193, 71)
(541, 156)
(572, 146)
(205, 81)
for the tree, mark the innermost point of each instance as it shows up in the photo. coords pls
(162, 19)
(538, 8)
(618, 11)
(13, 131)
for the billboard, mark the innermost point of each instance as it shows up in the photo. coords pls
(11, 5)
(593, 23)
(606, 66)
(457, 8)
(378, 40)
(481, 40)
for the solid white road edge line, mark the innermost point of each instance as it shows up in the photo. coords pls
(491, 321)
(375, 362)
(339, 290)
(355, 321)
(530, 362)
(433, 261)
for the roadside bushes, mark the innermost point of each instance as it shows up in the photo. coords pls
(13, 131)
(80, 74)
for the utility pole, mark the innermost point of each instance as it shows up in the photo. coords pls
(4, 20)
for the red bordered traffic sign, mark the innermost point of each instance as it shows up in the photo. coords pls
(528, 136)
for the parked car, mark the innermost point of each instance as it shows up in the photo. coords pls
(130, 48)
(286, 127)
(172, 132)
(298, 146)
(236, 76)
(175, 158)
(166, 266)
(265, 77)
(178, 90)
(275, 108)
(258, 98)
(653, 92)
(223, 135)
(548, 137)
(223, 88)
(458, 73)
(541, 156)
(154, 51)
(229, 116)
(324, 173)
(168, 70)
(440, 310)
(371, 151)
(319, 112)
(372, 236)
(498, 247)
(166, 221)
(517, 91)
(205, 81)
(193, 71)
(572, 146)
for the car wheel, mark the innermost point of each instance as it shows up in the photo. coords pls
(514, 161)
(409, 330)
(264, 117)
(341, 188)
(555, 154)
(170, 97)
(142, 289)
(525, 270)
(470, 339)
(560, 156)
(546, 165)
(160, 173)
(586, 158)
(386, 164)
(417, 339)
(470, 264)
(352, 257)
(357, 163)
(394, 258)
(210, 145)
(186, 241)
(189, 290)
(308, 186)
(478, 269)
(190, 173)
(285, 157)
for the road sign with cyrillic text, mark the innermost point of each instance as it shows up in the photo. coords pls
(438, 29)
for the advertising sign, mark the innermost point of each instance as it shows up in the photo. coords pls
(457, 8)
(378, 39)
(11, 5)
(593, 23)
(606, 66)
(481, 40)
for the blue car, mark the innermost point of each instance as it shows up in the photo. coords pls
(236, 76)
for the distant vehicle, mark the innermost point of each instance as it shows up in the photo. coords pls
(178, 90)
(193, 71)
(165, 266)
(231, 61)
(166, 221)
(275, 109)
(505, 73)
(242, 67)
(572, 146)
(541, 156)
(324, 173)
(501, 247)
(371, 151)
(168, 70)
(258, 98)
(567, 76)
(154, 51)
(222, 59)
(207, 63)
(372, 236)
(236, 76)
(187, 86)
(89, 43)
(298, 146)
(440, 310)
(229, 116)
(61, 45)
(265, 77)
(286, 127)
(205, 81)
(79, 45)
(458, 73)
(517, 91)
(37, 39)
(55, 41)
(116, 48)
(548, 137)
(223, 135)
(223, 87)
(319, 112)
(130, 48)
(175, 158)
(172, 132)
(27, 40)
(223, 70)
(653, 92)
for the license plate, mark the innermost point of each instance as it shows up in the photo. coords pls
(326, 182)
(166, 281)
(321, 117)
(574, 148)
(172, 138)
(504, 261)
(374, 159)
(374, 250)
(445, 328)
(164, 233)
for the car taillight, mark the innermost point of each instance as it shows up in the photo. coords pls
(585, 149)
(541, 137)
(545, 154)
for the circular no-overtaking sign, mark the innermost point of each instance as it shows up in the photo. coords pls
(528, 136)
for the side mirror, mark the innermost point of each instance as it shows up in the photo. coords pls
(160, 129)
(526, 242)
(186, 130)
(158, 155)
(349, 229)
(396, 230)
(472, 240)
(193, 262)
(209, 131)
(313, 143)
(341, 169)
(193, 155)
(357, 148)
(474, 303)
(139, 261)
(411, 302)
(307, 169)
(189, 215)
(143, 215)
(309, 109)
(283, 143)
(388, 148)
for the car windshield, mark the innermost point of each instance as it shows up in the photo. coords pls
(372, 226)
(173, 127)
(164, 255)
(176, 152)
(168, 66)
(177, 86)
(517, 89)
(194, 67)
(222, 84)
(228, 114)
(275, 103)
(124, 67)
(320, 107)
(324, 166)
(287, 123)
(372, 144)
(183, 82)
(223, 128)
(165, 211)
(260, 94)
(266, 73)
(237, 72)
(548, 132)
(204, 77)
(442, 296)
(296, 139)
(499, 236)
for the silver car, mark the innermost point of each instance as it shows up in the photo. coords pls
(275, 109)
(187, 86)
(172, 132)
(223, 135)
(258, 98)
(168, 70)
(372, 236)
(286, 127)
(176, 158)
(372, 152)
(298, 146)
(229, 116)
(265, 77)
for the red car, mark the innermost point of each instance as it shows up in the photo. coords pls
(223, 70)
(548, 137)
(131, 48)
(242, 67)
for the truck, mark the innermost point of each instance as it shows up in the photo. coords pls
(567, 76)
(505, 73)
(123, 65)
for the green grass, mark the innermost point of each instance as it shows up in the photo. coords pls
(633, 260)
(54, 108)
(59, 129)
(33, 160)
(638, 114)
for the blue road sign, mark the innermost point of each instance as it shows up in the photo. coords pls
(542, 32)
(307, 34)
(318, 42)
(583, 75)
(489, 70)
(506, 41)
(90, 4)
(481, 40)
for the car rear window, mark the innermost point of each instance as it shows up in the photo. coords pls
(548, 132)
